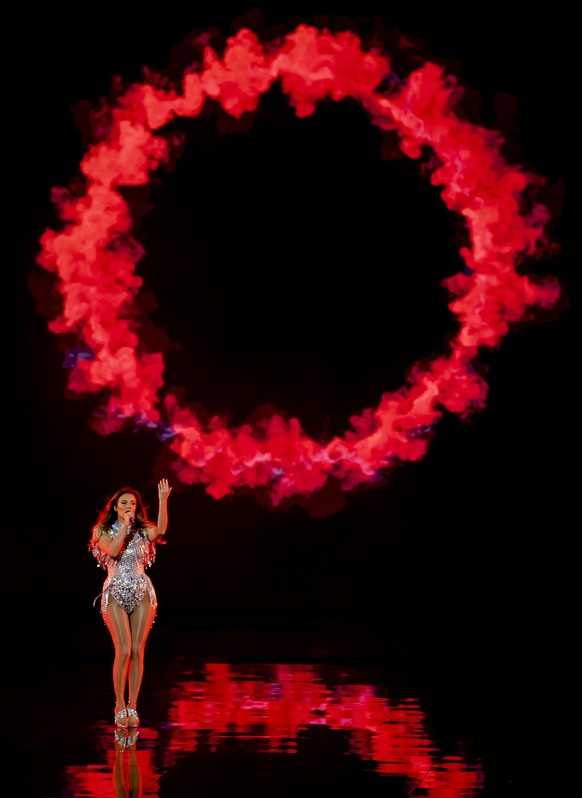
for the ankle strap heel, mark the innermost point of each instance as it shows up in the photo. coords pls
(120, 717)
(132, 718)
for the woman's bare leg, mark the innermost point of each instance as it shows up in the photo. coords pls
(117, 621)
(141, 620)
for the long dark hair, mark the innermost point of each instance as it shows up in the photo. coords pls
(109, 514)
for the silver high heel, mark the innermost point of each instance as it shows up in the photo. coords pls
(120, 717)
(132, 718)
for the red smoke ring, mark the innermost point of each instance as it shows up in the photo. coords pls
(94, 259)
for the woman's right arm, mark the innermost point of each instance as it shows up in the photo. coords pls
(111, 546)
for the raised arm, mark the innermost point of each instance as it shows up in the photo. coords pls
(164, 491)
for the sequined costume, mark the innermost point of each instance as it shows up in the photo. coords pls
(126, 579)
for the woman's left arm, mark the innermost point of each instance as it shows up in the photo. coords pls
(164, 491)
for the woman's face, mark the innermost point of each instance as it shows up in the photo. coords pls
(126, 506)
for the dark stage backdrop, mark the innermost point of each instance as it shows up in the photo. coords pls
(295, 269)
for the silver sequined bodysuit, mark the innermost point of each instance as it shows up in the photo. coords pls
(126, 579)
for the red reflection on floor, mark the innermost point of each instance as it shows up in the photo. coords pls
(274, 709)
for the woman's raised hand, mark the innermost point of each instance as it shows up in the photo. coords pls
(164, 489)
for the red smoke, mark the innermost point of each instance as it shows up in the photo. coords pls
(94, 259)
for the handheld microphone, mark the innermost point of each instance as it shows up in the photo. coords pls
(131, 519)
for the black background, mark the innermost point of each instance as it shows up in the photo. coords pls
(295, 269)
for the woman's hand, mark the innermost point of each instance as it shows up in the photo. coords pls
(164, 489)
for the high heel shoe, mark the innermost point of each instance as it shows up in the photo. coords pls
(120, 718)
(132, 718)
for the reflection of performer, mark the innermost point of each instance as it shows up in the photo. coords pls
(126, 781)
(124, 543)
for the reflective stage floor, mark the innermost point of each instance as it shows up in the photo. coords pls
(274, 709)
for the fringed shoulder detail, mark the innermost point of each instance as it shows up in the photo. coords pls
(141, 540)
(104, 560)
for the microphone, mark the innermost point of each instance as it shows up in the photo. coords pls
(131, 519)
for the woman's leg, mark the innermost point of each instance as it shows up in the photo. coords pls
(117, 621)
(141, 620)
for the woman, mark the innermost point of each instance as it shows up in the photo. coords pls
(124, 543)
